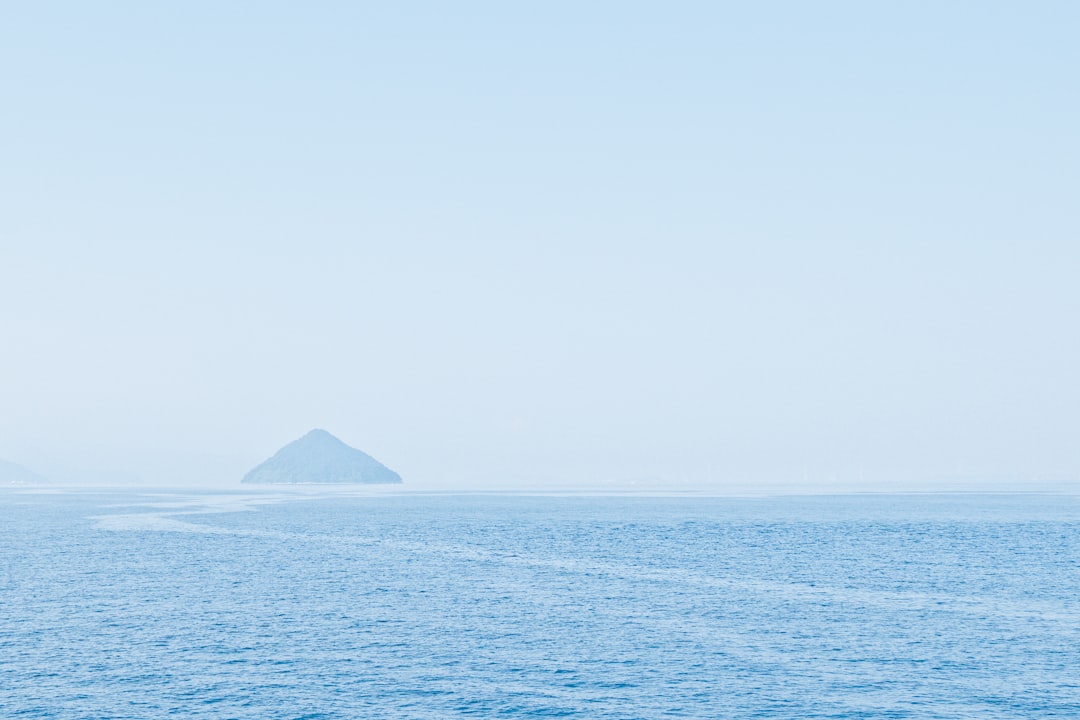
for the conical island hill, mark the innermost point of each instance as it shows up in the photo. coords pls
(320, 458)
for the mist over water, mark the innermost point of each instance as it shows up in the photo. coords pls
(726, 353)
(507, 246)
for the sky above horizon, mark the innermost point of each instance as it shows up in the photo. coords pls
(509, 244)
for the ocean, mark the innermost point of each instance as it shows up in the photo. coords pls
(267, 604)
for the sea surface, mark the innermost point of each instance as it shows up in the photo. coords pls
(277, 605)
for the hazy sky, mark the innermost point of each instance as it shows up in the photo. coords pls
(508, 243)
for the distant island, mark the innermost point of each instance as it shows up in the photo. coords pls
(320, 458)
(12, 474)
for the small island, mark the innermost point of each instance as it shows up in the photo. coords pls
(12, 474)
(320, 458)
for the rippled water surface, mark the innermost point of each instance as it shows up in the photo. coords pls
(425, 606)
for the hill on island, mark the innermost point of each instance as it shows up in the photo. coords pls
(12, 474)
(320, 458)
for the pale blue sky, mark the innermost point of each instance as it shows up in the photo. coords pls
(508, 243)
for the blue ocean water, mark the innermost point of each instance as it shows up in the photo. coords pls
(270, 605)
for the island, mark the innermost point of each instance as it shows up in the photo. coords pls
(12, 474)
(320, 458)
